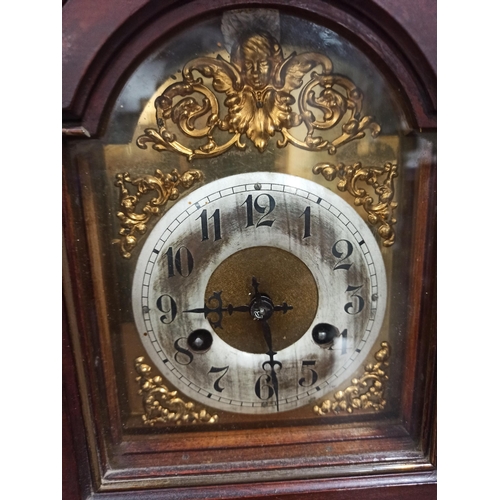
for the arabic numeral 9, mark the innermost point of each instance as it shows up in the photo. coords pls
(166, 304)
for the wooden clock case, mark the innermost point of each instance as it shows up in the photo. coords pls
(397, 459)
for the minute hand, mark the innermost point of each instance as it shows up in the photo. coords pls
(272, 363)
(261, 309)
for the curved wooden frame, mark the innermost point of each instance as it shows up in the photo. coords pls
(95, 82)
(403, 462)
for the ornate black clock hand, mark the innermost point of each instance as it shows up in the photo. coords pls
(214, 307)
(217, 310)
(261, 309)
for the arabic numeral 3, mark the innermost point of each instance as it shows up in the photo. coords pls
(357, 304)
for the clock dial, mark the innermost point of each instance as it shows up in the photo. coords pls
(259, 293)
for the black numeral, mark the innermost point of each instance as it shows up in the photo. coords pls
(204, 225)
(342, 250)
(265, 208)
(310, 375)
(356, 306)
(307, 222)
(344, 340)
(264, 382)
(182, 356)
(182, 262)
(224, 370)
(167, 305)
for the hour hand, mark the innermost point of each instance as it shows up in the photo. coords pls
(215, 309)
(267, 335)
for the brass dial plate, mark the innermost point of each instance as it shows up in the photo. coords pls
(284, 278)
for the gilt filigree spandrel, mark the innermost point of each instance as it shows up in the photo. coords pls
(162, 406)
(366, 392)
(162, 188)
(257, 84)
(380, 179)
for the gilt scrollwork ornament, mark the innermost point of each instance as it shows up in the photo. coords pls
(162, 188)
(380, 179)
(162, 406)
(366, 392)
(257, 84)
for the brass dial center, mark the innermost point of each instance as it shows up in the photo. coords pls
(289, 298)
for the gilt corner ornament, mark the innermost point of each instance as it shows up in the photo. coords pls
(255, 86)
(381, 179)
(163, 406)
(366, 392)
(133, 221)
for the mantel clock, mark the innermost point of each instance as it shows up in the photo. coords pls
(249, 241)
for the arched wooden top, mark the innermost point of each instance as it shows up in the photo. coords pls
(103, 41)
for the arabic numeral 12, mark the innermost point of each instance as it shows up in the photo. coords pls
(265, 207)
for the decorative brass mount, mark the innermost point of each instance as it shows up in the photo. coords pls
(380, 213)
(365, 392)
(258, 83)
(163, 406)
(166, 187)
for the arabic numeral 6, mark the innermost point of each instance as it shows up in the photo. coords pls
(263, 387)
